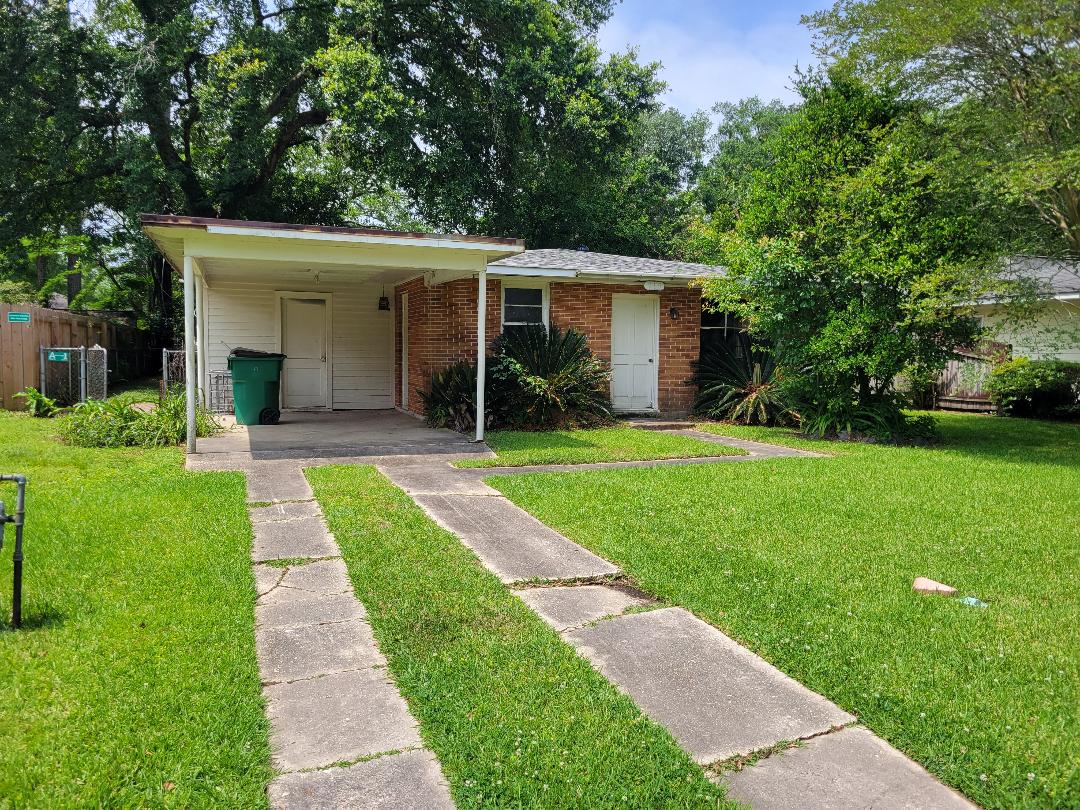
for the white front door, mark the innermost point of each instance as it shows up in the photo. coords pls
(303, 342)
(635, 324)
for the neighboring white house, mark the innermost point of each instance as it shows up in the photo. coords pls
(1054, 333)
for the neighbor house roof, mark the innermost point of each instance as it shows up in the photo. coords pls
(587, 263)
(1056, 278)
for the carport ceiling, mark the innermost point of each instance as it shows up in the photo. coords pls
(283, 273)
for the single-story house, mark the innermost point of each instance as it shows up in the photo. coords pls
(366, 316)
(1054, 332)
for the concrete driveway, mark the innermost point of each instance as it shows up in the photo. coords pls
(308, 435)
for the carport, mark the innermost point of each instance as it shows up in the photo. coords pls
(315, 293)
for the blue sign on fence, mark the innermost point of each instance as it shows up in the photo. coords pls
(58, 357)
(18, 317)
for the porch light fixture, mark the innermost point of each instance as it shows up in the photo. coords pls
(673, 313)
(653, 286)
(384, 302)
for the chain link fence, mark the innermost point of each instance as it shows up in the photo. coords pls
(73, 374)
(219, 395)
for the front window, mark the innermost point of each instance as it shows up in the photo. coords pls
(523, 305)
(721, 328)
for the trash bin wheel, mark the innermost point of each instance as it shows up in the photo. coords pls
(269, 416)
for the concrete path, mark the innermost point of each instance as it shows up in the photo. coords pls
(721, 702)
(340, 733)
(331, 703)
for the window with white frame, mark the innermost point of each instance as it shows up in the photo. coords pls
(524, 303)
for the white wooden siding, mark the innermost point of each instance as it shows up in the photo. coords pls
(363, 337)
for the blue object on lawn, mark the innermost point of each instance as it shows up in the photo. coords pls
(971, 601)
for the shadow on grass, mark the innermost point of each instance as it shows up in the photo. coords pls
(32, 620)
(1018, 441)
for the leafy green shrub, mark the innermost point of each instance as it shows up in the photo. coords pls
(547, 379)
(537, 379)
(114, 423)
(37, 404)
(743, 387)
(1040, 389)
(883, 420)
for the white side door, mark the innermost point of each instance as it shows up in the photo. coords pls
(303, 341)
(635, 329)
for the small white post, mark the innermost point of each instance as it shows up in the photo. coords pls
(200, 352)
(190, 383)
(481, 350)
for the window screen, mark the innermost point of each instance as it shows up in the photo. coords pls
(523, 305)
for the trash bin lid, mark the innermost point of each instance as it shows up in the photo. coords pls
(242, 352)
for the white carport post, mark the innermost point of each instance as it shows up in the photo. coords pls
(191, 384)
(200, 340)
(481, 350)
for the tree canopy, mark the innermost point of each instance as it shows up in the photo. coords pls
(1004, 73)
(481, 116)
(851, 255)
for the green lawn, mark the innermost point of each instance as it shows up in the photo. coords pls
(133, 682)
(523, 448)
(514, 715)
(809, 561)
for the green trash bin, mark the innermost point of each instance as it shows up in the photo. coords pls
(255, 379)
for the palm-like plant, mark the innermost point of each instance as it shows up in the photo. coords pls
(740, 386)
(552, 378)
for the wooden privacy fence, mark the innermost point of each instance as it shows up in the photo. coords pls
(962, 384)
(24, 329)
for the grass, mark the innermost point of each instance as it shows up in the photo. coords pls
(133, 681)
(810, 561)
(514, 715)
(522, 448)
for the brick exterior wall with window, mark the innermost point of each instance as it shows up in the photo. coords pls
(442, 329)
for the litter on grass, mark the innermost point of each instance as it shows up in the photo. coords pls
(971, 601)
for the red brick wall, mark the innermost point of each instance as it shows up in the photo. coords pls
(587, 308)
(442, 329)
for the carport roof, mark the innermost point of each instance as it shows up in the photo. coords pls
(170, 232)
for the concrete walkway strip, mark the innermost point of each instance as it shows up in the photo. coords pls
(289, 539)
(512, 543)
(849, 770)
(717, 698)
(408, 780)
(570, 607)
(329, 698)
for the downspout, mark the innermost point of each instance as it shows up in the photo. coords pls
(190, 383)
(481, 350)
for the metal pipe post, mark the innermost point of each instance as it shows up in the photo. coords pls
(189, 348)
(481, 351)
(17, 557)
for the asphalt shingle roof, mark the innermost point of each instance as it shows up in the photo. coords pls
(585, 261)
(1055, 277)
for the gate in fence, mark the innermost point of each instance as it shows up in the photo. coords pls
(173, 370)
(219, 397)
(71, 374)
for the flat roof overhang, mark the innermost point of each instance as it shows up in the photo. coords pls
(239, 250)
